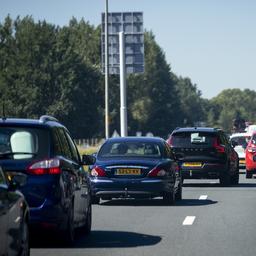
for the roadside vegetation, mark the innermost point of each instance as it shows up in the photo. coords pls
(47, 69)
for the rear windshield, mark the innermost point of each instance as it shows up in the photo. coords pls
(23, 143)
(130, 149)
(241, 140)
(187, 139)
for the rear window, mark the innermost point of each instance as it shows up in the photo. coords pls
(241, 140)
(23, 143)
(130, 149)
(188, 139)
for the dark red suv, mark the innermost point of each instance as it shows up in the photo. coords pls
(205, 153)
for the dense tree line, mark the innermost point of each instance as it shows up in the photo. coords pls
(47, 69)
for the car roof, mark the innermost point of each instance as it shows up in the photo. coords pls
(240, 134)
(135, 139)
(23, 122)
(196, 129)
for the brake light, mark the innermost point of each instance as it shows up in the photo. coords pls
(47, 166)
(157, 172)
(98, 172)
(219, 148)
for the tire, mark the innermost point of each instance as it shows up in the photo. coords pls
(69, 232)
(24, 242)
(178, 194)
(95, 200)
(225, 178)
(169, 197)
(235, 177)
(248, 175)
(88, 224)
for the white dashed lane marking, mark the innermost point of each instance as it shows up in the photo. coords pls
(189, 220)
(203, 197)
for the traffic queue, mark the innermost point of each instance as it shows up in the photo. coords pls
(43, 175)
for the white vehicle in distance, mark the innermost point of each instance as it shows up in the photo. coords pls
(240, 141)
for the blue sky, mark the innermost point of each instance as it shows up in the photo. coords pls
(213, 42)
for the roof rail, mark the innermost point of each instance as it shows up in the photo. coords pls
(46, 118)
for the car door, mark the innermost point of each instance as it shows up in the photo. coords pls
(82, 200)
(3, 213)
(73, 168)
(69, 176)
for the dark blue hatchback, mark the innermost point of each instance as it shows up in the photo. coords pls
(135, 167)
(57, 188)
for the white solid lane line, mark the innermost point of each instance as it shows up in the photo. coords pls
(203, 197)
(189, 220)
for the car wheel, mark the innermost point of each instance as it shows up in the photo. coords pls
(248, 174)
(169, 197)
(69, 233)
(235, 177)
(88, 224)
(178, 195)
(95, 200)
(24, 242)
(225, 178)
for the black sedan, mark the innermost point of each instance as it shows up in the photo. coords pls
(135, 167)
(14, 217)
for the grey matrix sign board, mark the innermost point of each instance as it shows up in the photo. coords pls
(131, 23)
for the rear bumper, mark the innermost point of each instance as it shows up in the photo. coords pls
(136, 188)
(207, 171)
(49, 216)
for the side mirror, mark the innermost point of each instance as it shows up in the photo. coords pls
(88, 159)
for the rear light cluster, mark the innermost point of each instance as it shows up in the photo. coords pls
(47, 166)
(98, 172)
(219, 148)
(157, 172)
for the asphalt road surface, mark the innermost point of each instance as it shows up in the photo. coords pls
(210, 220)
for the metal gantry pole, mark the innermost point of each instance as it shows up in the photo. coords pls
(106, 73)
(123, 96)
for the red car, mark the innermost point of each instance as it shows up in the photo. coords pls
(250, 157)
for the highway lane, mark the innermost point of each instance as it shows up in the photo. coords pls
(210, 220)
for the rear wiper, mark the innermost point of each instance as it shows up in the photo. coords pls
(7, 154)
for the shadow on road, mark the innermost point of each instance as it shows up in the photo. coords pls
(195, 202)
(100, 239)
(117, 239)
(156, 202)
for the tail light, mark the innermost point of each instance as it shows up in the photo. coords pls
(98, 172)
(251, 149)
(47, 166)
(219, 148)
(157, 172)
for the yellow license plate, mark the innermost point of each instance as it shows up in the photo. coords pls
(241, 161)
(192, 164)
(128, 171)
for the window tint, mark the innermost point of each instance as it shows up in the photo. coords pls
(127, 149)
(22, 143)
(241, 140)
(188, 139)
(64, 144)
(73, 149)
(57, 142)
